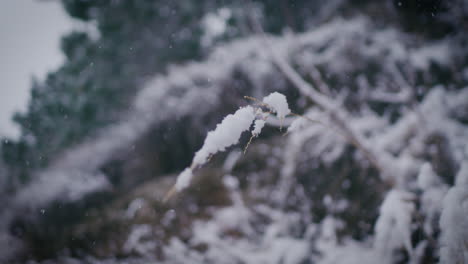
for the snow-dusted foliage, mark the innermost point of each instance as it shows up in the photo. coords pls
(366, 166)
(454, 221)
(276, 246)
(393, 227)
(414, 151)
(431, 198)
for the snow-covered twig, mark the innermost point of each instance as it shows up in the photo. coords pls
(229, 131)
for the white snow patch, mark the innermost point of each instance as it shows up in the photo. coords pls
(226, 134)
(427, 177)
(437, 53)
(454, 221)
(297, 125)
(231, 160)
(393, 227)
(184, 179)
(258, 126)
(139, 240)
(134, 206)
(278, 104)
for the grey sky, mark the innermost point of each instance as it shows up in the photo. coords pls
(30, 31)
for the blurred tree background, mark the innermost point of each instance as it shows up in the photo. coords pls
(128, 42)
(125, 46)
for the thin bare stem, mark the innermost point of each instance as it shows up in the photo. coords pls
(171, 193)
(248, 144)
